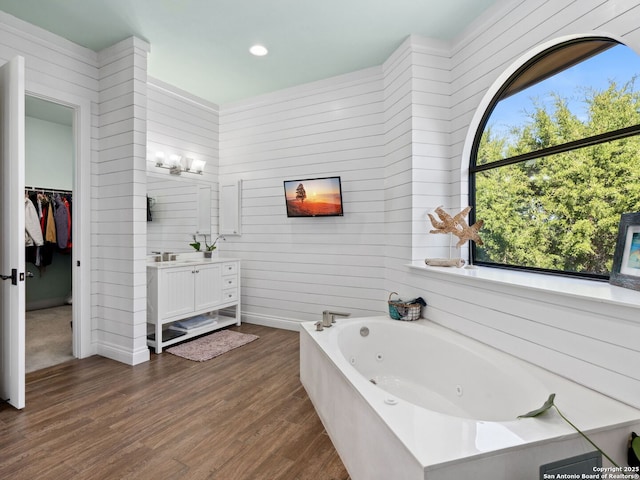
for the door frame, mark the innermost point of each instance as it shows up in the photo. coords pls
(83, 346)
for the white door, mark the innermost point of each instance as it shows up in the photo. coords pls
(12, 329)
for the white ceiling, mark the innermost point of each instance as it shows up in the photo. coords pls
(201, 46)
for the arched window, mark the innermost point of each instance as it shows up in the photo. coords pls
(556, 160)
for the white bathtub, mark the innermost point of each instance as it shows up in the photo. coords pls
(413, 400)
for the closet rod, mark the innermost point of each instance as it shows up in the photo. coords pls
(49, 190)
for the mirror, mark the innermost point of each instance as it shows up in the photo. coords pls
(179, 208)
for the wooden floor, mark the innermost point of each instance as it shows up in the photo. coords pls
(243, 415)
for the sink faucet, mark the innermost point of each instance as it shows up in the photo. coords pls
(328, 317)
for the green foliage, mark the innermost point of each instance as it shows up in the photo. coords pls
(561, 212)
(550, 403)
(195, 244)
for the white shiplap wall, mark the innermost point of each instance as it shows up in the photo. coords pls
(174, 214)
(294, 268)
(417, 144)
(178, 122)
(398, 154)
(119, 230)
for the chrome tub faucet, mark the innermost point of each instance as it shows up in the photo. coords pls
(328, 317)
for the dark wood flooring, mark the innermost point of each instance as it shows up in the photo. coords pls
(243, 415)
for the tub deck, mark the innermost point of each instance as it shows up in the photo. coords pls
(379, 436)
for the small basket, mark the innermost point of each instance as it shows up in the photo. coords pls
(406, 311)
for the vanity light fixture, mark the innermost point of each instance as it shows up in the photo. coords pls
(175, 166)
(177, 163)
(174, 160)
(258, 50)
(186, 163)
(198, 166)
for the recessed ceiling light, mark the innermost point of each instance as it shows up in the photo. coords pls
(258, 50)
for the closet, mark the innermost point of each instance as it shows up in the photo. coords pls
(49, 173)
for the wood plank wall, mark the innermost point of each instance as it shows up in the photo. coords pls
(50, 60)
(119, 233)
(398, 152)
(294, 268)
(178, 122)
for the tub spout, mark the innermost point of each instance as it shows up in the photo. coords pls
(329, 317)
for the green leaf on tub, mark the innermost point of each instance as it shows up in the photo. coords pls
(538, 411)
(546, 406)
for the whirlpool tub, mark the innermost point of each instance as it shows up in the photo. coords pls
(414, 400)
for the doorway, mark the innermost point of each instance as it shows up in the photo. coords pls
(13, 87)
(49, 184)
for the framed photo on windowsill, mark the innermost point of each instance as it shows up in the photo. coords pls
(626, 259)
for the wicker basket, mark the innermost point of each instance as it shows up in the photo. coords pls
(406, 311)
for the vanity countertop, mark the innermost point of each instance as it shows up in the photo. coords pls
(187, 260)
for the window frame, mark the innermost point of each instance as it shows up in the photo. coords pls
(474, 168)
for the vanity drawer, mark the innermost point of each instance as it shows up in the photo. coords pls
(229, 268)
(229, 281)
(229, 295)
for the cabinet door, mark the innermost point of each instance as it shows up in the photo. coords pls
(231, 208)
(208, 286)
(176, 292)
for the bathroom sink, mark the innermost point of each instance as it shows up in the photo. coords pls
(185, 261)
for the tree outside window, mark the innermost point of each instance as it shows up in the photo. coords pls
(557, 161)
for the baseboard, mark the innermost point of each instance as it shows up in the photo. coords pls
(124, 356)
(271, 321)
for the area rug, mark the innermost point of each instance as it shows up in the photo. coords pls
(211, 346)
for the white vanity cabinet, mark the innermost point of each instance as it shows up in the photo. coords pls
(180, 290)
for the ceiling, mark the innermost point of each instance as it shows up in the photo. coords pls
(201, 46)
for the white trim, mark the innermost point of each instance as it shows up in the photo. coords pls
(183, 95)
(116, 352)
(271, 321)
(589, 294)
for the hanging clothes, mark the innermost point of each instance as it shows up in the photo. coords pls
(33, 232)
(52, 213)
(48, 223)
(61, 216)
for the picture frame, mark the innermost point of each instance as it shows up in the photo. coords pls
(626, 259)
